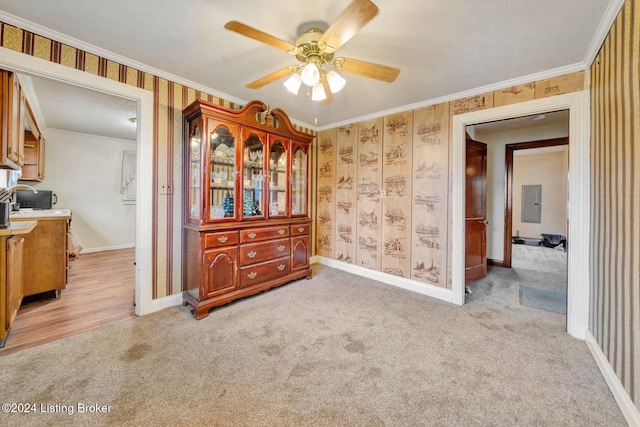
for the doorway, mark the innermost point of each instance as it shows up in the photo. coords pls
(578, 208)
(510, 152)
(29, 65)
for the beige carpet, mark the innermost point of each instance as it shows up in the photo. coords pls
(539, 258)
(338, 350)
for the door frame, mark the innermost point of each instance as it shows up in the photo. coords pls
(578, 279)
(508, 188)
(22, 63)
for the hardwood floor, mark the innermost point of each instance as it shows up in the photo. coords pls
(100, 291)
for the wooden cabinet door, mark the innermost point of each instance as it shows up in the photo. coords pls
(45, 256)
(14, 278)
(33, 148)
(11, 125)
(300, 251)
(15, 149)
(219, 272)
(41, 159)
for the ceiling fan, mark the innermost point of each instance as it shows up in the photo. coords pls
(315, 51)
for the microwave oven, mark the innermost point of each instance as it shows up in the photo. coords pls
(43, 199)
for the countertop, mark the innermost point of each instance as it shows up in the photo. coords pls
(18, 227)
(40, 214)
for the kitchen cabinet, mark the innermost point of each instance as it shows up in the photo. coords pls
(11, 274)
(12, 107)
(245, 197)
(33, 165)
(46, 258)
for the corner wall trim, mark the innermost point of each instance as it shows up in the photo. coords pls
(166, 302)
(390, 279)
(495, 263)
(629, 410)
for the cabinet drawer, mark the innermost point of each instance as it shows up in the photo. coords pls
(258, 273)
(258, 252)
(267, 233)
(215, 240)
(300, 229)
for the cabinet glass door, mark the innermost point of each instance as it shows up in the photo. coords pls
(299, 182)
(253, 176)
(278, 179)
(195, 145)
(222, 173)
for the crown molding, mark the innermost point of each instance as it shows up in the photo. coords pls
(610, 15)
(579, 66)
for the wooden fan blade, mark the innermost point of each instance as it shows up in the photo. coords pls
(269, 78)
(369, 69)
(258, 35)
(327, 90)
(354, 17)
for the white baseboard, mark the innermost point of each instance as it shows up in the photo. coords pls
(108, 248)
(390, 279)
(629, 410)
(166, 302)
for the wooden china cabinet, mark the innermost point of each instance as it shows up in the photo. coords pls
(246, 224)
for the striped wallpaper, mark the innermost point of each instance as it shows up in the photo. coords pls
(615, 198)
(170, 99)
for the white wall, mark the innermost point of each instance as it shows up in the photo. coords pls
(496, 143)
(550, 170)
(84, 172)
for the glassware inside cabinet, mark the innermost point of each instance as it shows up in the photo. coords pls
(194, 171)
(253, 197)
(278, 179)
(299, 182)
(222, 173)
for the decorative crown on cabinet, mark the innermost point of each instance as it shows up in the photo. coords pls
(245, 203)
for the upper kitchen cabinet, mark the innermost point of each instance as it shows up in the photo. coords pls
(12, 106)
(33, 165)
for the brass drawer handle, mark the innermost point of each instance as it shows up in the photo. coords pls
(281, 232)
(223, 239)
(281, 248)
(252, 254)
(300, 229)
(252, 275)
(252, 235)
(281, 267)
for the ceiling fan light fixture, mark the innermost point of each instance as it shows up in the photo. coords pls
(317, 93)
(336, 81)
(293, 83)
(310, 74)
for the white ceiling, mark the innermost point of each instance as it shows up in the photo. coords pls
(441, 47)
(75, 109)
